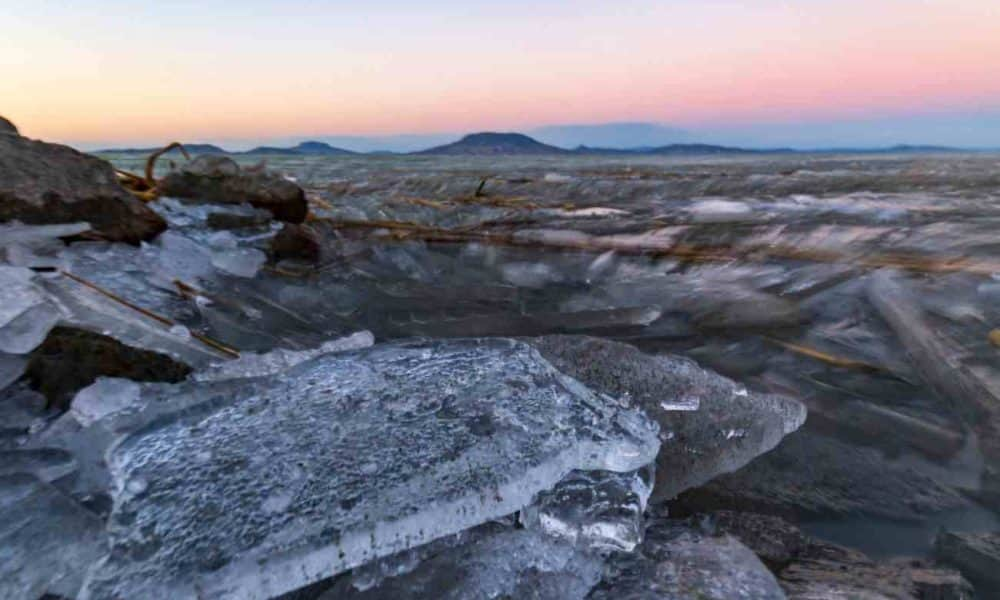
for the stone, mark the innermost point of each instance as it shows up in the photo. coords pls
(8, 128)
(251, 488)
(71, 359)
(297, 242)
(218, 179)
(43, 183)
(976, 555)
(677, 561)
(730, 426)
(812, 569)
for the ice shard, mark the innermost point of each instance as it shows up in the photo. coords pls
(269, 363)
(506, 564)
(47, 540)
(709, 424)
(600, 510)
(26, 314)
(250, 488)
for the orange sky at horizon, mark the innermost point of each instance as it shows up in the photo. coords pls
(77, 77)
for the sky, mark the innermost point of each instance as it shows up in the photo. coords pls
(757, 73)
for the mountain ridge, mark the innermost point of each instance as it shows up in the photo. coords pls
(512, 144)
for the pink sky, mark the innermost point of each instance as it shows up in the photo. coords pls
(145, 71)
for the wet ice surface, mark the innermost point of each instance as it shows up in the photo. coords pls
(277, 489)
(786, 248)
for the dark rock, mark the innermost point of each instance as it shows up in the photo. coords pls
(71, 359)
(976, 555)
(43, 183)
(678, 561)
(219, 179)
(776, 541)
(7, 127)
(810, 569)
(296, 242)
(728, 427)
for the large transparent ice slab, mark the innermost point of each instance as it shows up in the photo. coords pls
(250, 488)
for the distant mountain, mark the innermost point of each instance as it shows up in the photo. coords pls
(610, 135)
(678, 150)
(310, 148)
(491, 144)
(191, 148)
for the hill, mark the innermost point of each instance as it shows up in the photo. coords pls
(492, 144)
(310, 148)
(191, 148)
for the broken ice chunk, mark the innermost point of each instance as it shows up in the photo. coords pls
(12, 366)
(730, 427)
(506, 564)
(105, 396)
(453, 434)
(716, 210)
(241, 262)
(48, 464)
(530, 275)
(47, 540)
(597, 509)
(26, 315)
(275, 361)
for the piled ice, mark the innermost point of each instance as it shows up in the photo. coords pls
(252, 364)
(46, 539)
(709, 425)
(676, 561)
(253, 487)
(597, 509)
(496, 564)
(26, 313)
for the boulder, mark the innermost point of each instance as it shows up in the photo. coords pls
(976, 555)
(219, 179)
(71, 359)
(43, 183)
(808, 568)
(678, 561)
(6, 127)
(298, 242)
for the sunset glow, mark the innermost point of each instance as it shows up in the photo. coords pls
(144, 71)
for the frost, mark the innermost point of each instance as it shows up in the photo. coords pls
(374, 451)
